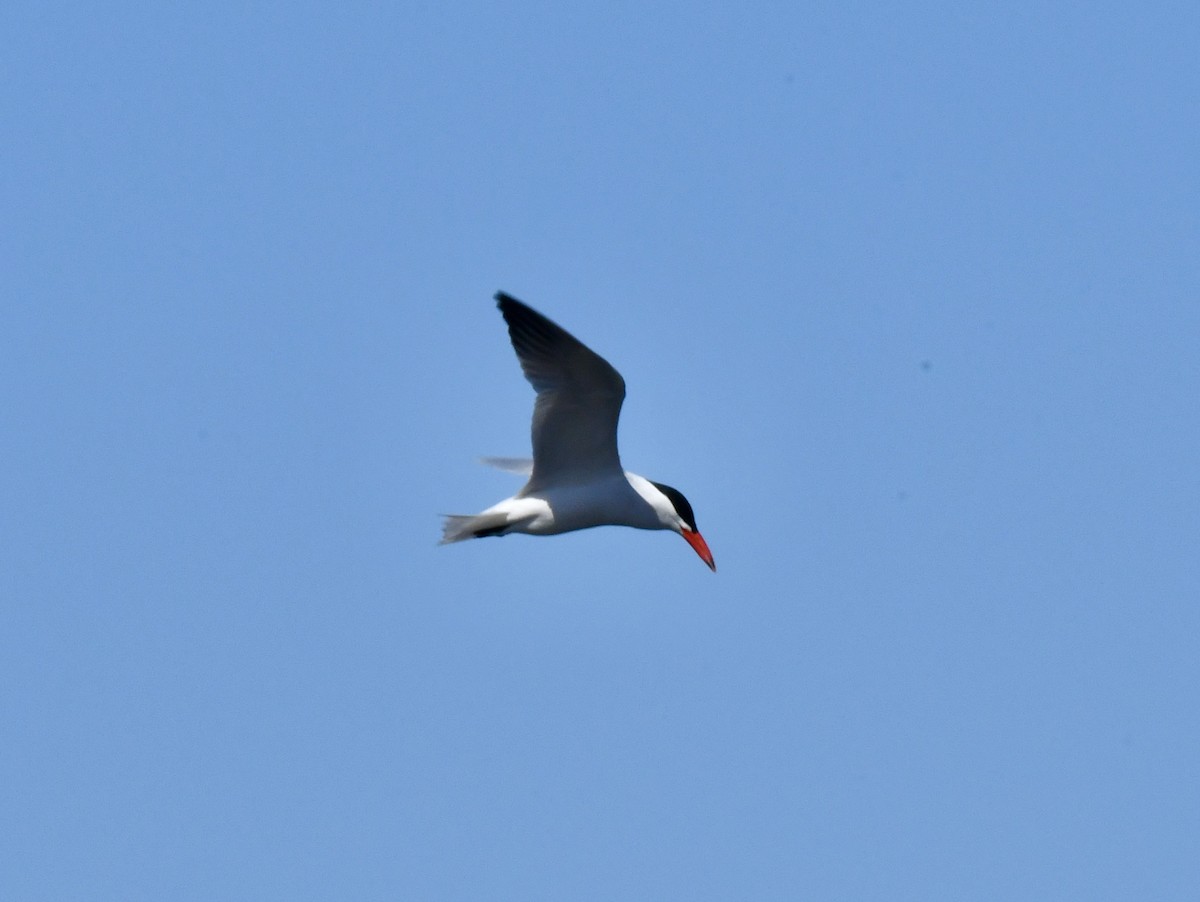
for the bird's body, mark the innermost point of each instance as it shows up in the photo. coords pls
(575, 478)
(612, 500)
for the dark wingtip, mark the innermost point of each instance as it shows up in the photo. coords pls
(520, 317)
(510, 307)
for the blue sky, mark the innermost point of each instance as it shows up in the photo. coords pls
(907, 298)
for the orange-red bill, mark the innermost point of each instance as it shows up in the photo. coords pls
(701, 548)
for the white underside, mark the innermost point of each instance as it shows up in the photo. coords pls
(623, 499)
(610, 502)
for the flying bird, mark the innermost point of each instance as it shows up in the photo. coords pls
(575, 478)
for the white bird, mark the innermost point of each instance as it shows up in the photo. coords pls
(575, 477)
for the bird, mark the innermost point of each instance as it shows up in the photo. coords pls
(575, 479)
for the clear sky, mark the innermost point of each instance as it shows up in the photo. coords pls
(907, 298)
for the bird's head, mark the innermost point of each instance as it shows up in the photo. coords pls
(676, 514)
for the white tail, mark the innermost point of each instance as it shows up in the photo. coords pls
(459, 528)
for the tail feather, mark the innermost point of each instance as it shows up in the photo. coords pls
(459, 528)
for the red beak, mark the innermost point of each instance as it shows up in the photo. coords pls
(701, 548)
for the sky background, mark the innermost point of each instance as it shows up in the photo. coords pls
(907, 298)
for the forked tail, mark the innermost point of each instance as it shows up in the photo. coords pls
(458, 528)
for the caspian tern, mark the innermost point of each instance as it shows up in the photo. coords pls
(575, 477)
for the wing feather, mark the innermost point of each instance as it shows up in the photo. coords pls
(579, 397)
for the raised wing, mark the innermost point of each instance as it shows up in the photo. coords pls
(522, 466)
(579, 397)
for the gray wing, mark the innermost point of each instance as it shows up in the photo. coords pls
(579, 397)
(522, 466)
